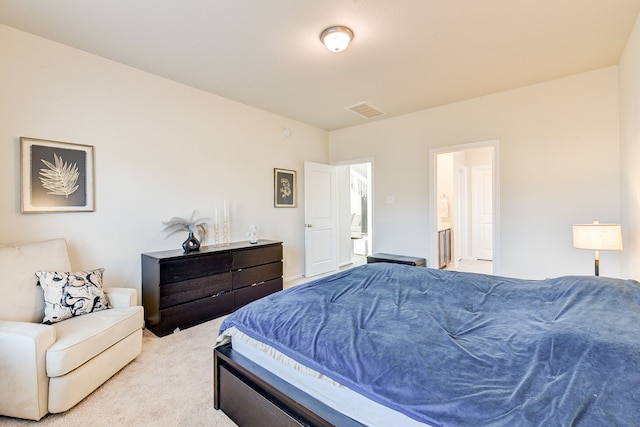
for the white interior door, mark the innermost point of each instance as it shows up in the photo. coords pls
(482, 182)
(321, 219)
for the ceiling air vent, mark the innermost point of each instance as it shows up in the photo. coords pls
(365, 110)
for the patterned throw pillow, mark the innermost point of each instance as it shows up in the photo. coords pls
(69, 294)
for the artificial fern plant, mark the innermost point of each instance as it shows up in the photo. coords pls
(196, 226)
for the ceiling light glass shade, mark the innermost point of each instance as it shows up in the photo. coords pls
(596, 236)
(336, 38)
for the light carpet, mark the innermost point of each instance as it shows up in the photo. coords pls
(169, 384)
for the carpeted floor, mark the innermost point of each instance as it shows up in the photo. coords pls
(169, 384)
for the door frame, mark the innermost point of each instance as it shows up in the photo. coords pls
(432, 238)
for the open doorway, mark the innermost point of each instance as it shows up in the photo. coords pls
(464, 200)
(359, 186)
(355, 218)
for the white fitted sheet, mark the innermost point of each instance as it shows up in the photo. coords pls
(322, 388)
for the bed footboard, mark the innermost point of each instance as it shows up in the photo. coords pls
(252, 396)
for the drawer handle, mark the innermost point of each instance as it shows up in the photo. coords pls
(217, 295)
(258, 283)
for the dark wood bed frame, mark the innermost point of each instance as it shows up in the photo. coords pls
(252, 396)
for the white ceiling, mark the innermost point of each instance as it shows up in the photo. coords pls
(407, 55)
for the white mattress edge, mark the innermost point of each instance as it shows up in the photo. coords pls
(322, 388)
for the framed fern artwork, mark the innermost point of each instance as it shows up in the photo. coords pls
(56, 176)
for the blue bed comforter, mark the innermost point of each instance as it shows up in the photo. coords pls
(462, 349)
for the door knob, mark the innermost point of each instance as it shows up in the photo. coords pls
(308, 225)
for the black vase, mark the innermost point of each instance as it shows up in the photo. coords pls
(191, 244)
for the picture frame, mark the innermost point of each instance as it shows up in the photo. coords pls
(285, 188)
(56, 176)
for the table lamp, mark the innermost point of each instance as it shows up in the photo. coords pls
(597, 237)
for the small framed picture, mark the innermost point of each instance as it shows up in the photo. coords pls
(56, 176)
(284, 181)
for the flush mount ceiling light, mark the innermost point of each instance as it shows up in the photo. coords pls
(336, 38)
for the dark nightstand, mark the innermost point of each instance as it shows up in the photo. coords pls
(397, 259)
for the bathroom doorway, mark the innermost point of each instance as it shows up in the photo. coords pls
(464, 212)
(355, 182)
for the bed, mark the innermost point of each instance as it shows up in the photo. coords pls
(389, 344)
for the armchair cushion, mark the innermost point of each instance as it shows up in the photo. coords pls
(81, 338)
(70, 294)
(22, 300)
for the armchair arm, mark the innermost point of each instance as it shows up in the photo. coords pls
(24, 384)
(121, 297)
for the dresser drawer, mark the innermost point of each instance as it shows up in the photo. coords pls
(189, 290)
(195, 312)
(251, 293)
(256, 256)
(252, 275)
(194, 266)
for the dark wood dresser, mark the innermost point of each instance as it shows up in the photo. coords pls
(184, 289)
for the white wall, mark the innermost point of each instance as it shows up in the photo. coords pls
(162, 149)
(630, 151)
(560, 160)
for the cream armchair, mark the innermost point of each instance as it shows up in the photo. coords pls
(50, 368)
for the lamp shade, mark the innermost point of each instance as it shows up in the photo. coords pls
(596, 236)
(336, 38)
